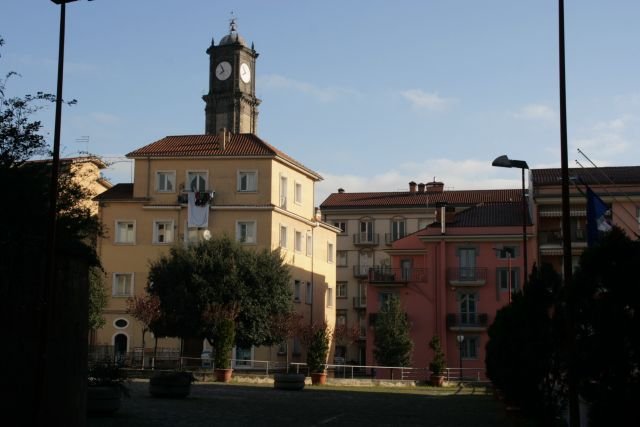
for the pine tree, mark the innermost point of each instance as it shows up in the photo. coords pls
(392, 341)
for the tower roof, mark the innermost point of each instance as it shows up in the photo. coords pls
(233, 37)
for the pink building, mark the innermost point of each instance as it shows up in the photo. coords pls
(451, 278)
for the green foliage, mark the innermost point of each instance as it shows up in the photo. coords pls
(438, 365)
(224, 332)
(195, 282)
(316, 337)
(392, 343)
(106, 373)
(606, 306)
(523, 352)
(97, 298)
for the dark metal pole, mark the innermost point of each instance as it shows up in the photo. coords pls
(574, 413)
(524, 232)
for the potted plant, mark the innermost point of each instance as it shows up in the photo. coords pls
(317, 337)
(106, 384)
(438, 365)
(171, 384)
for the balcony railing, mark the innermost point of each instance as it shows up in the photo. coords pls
(206, 196)
(388, 275)
(467, 320)
(359, 302)
(389, 238)
(554, 237)
(467, 276)
(361, 270)
(365, 239)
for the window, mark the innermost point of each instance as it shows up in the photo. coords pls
(341, 317)
(283, 236)
(467, 263)
(297, 289)
(282, 348)
(366, 231)
(296, 347)
(329, 297)
(246, 232)
(191, 235)
(384, 298)
(468, 308)
(405, 267)
(163, 232)
(197, 181)
(341, 258)
(365, 261)
(341, 289)
(298, 193)
(342, 225)
(298, 241)
(121, 323)
(330, 251)
(283, 192)
(309, 244)
(166, 181)
(243, 357)
(506, 252)
(125, 232)
(309, 294)
(247, 181)
(398, 229)
(122, 284)
(470, 347)
(502, 277)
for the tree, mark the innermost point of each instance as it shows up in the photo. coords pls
(147, 311)
(606, 301)
(523, 356)
(97, 299)
(439, 363)
(316, 337)
(392, 342)
(196, 283)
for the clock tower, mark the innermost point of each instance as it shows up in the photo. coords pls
(231, 102)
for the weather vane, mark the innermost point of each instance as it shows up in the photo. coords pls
(232, 23)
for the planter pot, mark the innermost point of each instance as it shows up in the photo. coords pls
(223, 375)
(437, 380)
(288, 381)
(172, 385)
(103, 400)
(319, 378)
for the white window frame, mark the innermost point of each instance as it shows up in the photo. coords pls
(297, 193)
(342, 225)
(249, 187)
(170, 177)
(330, 301)
(249, 240)
(398, 229)
(283, 236)
(114, 288)
(204, 173)
(297, 291)
(282, 202)
(309, 247)
(341, 314)
(330, 251)
(502, 278)
(342, 289)
(471, 342)
(309, 293)
(297, 241)
(169, 224)
(117, 237)
(342, 258)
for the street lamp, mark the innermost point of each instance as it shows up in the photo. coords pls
(504, 162)
(460, 339)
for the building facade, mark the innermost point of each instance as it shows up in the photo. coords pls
(229, 181)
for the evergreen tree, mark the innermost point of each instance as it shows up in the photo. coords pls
(392, 342)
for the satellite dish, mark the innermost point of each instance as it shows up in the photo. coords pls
(206, 234)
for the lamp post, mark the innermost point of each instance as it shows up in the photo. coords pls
(504, 162)
(460, 339)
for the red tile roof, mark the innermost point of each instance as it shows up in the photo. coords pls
(490, 215)
(408, 199)
(591, 176)
(117, 192)
(238, 145)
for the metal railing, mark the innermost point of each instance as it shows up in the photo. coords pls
(460, 275)
(365, 239)
(476, 375)
(389, 238)
(361, 270)
(396, 275)
(554, 237)
(462, 320)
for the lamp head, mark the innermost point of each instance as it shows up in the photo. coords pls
(505, 162)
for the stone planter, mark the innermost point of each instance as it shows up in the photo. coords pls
(437, 380)
(319, 378)
(288, 381)
(103, 400)
(171, 384)
(223, 375)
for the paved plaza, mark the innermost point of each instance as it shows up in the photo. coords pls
(260, 405)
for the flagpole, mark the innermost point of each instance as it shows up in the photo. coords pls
(574, 414)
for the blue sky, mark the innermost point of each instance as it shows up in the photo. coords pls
(371, 94)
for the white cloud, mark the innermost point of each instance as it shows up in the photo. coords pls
(614, 125)
(536, 112)
(427, 101)
(322, 94)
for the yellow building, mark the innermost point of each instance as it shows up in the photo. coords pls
(252, 191)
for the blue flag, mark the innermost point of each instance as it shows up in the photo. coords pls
(597, 217)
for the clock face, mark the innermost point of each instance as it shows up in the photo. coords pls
(245, 73)
(223, 70)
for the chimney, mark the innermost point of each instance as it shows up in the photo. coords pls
(318, 214)
(412, 187)
(421, 188)
(435, 186)
(340, 190)
(222, 138)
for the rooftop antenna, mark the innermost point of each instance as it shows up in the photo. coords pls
(85, 140)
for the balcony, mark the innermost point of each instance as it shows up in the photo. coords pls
(389, 238)
(396, 276)
(365, 239)
(203, 197)
(554, 237)
(361, 271)
(467, 276)
(360, 303)
(467, 321)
